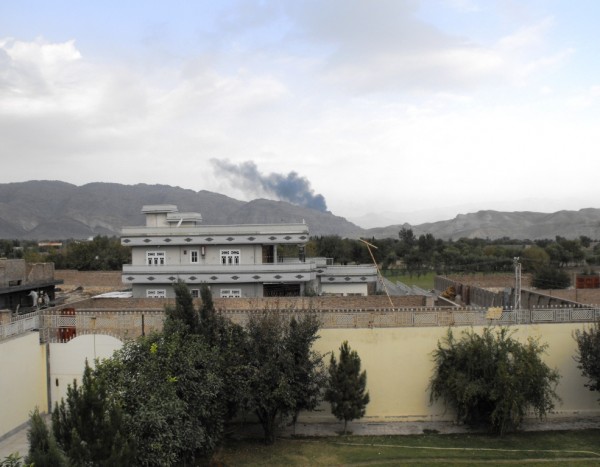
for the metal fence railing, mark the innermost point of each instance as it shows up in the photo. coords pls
(56, 327)
(20, 325)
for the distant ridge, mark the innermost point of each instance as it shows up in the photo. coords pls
(42, 210)
(517, 225)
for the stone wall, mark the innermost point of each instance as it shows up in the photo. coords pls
(281, 303)
(490, 280)
(90, 279)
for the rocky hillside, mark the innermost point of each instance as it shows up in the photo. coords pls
(57, 210)
(495, 224)
(45, 210)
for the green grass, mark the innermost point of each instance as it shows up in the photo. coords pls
(425, 281)
(573, 448)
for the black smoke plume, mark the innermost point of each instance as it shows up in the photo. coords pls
(291, 187)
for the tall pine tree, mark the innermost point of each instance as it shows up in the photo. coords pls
(346, 391)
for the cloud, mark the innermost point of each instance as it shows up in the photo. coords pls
(291, 187)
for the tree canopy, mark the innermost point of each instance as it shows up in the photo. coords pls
(492, 379)
(346, 389)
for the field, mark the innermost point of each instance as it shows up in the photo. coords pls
(425, 281)
(573, 448)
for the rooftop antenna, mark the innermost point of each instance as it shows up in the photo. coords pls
(379, 276)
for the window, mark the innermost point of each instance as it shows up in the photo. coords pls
(231, 293)
(195, 293)
(194, 256)
(229, 257)
(156, 293)
(155, 258)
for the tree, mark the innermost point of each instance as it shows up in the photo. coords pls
(43, 450)
(160, 400)
(588, 355)
(170, 387)
(492, 379)
(273, 370)
(347, 385)
(550, 277)
(183, 317)
(308, 371)
(89, 425)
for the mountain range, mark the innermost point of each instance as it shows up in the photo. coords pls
(48, 210)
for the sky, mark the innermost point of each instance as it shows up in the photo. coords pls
(416, 110)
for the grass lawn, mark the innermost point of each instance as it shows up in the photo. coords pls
(425, 281)
(572, 448)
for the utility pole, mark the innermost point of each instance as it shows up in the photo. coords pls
(379, 276)
(517, 283)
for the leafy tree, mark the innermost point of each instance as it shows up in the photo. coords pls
(170, 387)
(273, 371)
(14, 460)
(43, 450)
(549, 277)
(89, 425)
(231, 341)
(182, 318)
(588, 355)
(492, 379)
(347, 385)
(308, 371)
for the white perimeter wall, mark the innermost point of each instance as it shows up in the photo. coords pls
(67, 361)
(22, 380)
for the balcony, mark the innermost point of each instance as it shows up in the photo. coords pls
(231, 274)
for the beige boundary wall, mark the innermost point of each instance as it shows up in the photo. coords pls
(23, 380)
(399, 365)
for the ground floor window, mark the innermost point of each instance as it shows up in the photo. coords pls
(281, 290)
(231, 293)
(156, 293)
(195, 293)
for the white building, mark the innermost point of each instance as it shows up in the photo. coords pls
(234, 260)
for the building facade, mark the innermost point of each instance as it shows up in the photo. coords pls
(25, 287)
(243, 260)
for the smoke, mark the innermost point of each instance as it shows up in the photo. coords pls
(291, 187)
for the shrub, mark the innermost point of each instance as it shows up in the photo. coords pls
(492, 380)
(588, 355)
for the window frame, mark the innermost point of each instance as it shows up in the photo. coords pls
(230, 293)
(231, 257)
(156, 258)
(156, 293)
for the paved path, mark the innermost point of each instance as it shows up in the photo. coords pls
(14, 443)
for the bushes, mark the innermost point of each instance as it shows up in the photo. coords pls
(492, 380)
(588, 355)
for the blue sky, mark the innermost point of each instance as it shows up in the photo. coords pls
(419, 109)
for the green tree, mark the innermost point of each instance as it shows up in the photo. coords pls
(550, 277)
(89, 424)
(588, 355)
(43, 449)
(492, 379)
(273, 370)
(170, 387)
(182, 318)
(346, 391)
(308, 372)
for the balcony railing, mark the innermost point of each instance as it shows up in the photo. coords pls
(20, 325)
